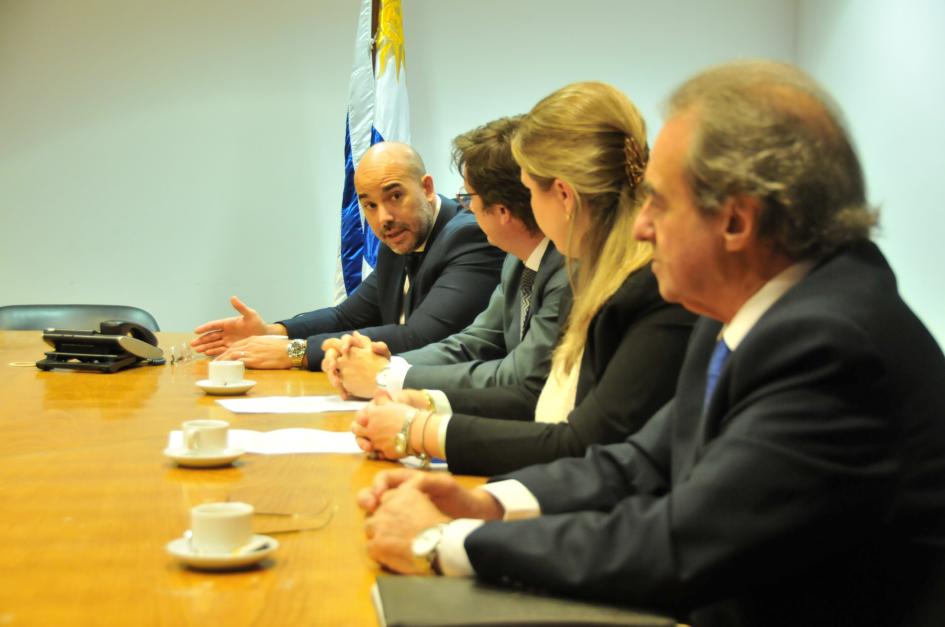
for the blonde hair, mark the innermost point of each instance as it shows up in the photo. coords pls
(590, 136)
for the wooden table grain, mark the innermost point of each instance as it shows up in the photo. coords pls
(88, 502)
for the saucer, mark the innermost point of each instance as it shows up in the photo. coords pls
(182, 550)
(184, 457)
(232, 389)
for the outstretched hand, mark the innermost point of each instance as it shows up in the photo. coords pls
(216, 336)
(260, 352)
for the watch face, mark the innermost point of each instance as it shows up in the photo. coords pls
(381, 379)
(426, 541)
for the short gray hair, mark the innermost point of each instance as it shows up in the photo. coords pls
(767, 130)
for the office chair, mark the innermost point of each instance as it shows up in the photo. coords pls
(72, 317)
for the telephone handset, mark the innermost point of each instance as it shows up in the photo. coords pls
(116, 345)
(120, 327)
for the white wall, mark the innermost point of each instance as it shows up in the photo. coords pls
(884, 62)
(168, 154)
(471, 62)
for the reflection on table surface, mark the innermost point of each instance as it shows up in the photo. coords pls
(88, 502)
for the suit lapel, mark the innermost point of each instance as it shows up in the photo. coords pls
(691, 423)
(546, 268)
(390, 272)
(448, 210)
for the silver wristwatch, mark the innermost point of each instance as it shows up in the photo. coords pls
(425, 547)
(296, 351)
(382, 377)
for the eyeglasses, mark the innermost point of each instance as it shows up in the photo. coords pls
(464, 198)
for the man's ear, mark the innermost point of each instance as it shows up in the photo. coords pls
(504, 214)
(427, 183)
(741, 215)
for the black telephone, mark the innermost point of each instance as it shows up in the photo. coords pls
(115, 346)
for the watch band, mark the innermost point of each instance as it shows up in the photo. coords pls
(424, 458)
(402, 439)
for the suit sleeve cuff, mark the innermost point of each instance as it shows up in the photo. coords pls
(453, 560)
(518, 501)
(292, 329)
(314, 354)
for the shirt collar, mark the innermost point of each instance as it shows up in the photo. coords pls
(534, 259)
(761, 301)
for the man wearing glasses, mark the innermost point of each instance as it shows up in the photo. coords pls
(510, 342)
(435, 272)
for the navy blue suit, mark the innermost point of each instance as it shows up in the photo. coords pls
(810, 491)
(456, 277)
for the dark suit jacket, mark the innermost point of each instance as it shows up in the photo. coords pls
(810, 492)
(458, 272)
(491, 351)
(635, 346)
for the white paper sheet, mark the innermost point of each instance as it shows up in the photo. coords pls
(289, 404)
(284, 441)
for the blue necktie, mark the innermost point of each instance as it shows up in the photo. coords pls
(716, 363)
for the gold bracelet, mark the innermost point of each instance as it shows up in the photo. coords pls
(430, 403)
(424, 457)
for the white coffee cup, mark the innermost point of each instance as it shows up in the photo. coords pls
(220, 528)
(226, 372)
(205, 437)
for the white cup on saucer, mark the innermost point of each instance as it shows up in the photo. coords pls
(205, 437)
(223, 373)
(220, 528)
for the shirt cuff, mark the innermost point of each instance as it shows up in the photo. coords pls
(451, 554)
(396, 373)
(441, 405)
(518, 501)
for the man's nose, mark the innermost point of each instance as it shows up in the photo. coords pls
(384, 214)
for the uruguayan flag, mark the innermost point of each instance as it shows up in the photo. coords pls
(377, 111)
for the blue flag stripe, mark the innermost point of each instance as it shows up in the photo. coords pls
(352, 235)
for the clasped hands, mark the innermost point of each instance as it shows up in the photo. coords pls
(352, 363)
(401, 503)
(377, 425)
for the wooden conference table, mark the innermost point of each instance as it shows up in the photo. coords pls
(88, 502)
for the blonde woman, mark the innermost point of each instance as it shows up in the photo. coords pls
(582, 151)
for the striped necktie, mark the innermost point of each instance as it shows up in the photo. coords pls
(525, 292)
(412, 263)
(716, 363)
